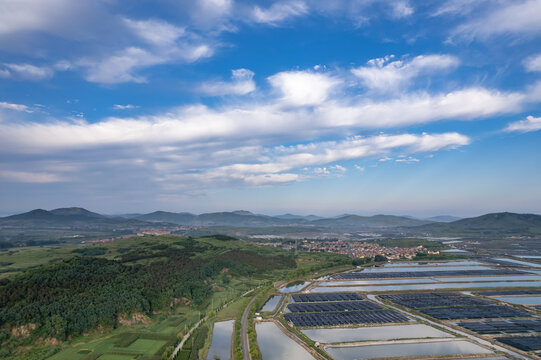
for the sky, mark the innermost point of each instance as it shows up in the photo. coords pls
(400, 107)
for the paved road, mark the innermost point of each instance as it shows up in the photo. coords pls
(245, 342)
(470, 336)
(187, 336)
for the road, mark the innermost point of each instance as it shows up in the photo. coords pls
(196, 325)
(469, 336)
(187, 336)
(245, 342)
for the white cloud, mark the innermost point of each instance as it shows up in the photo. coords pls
(213, 14)
(163, 43)
(32, 15)
(30, 177)
(125, 107)
(407, 160)
(459, 7)
(301, 88)
(285, 160)
(16, 107)
(26, 72)
(533, 63)
(120, 67)
(278, 12)
(530, 124)
(517, 18)
(359, 168)
(401, 9)
(384, 74)
(241, 83)
(155, 32)
(197, 123)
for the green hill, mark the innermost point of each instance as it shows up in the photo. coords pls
(496, 224)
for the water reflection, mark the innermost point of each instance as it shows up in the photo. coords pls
(520, 300)
(270, 305)
(376, 282)
(463, 285)
(275, 345)
(455, 347)
(525, 263)
(220, 348)
(374, 333)
(294, 288)
(425, 268)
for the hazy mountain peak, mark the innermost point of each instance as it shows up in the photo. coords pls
(242, 212)
(74, 211)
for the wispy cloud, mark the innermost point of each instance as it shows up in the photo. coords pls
(241, 83)
(533, 63)
(162, 43)
(387, 74)
(30, 177)
(16, 107)
(279, 12)
(520, 18)
(26, 72)
(530, 124)
(125, 107)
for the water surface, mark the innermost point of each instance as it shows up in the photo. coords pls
(455, 347)
(375, 333)
(275, 345)
(429, 263)
(489, 278)
(376, 282)
(293, 288)
(525, 263)
(463, 285)
(221, 340)
(424, 268)
(520, 300)
(270, 305)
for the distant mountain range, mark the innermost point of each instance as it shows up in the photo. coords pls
(376, 221)
(69, 218)
(78, 218)
(443, 218)
(504, 223)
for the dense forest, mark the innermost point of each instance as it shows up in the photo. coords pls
(70, 297)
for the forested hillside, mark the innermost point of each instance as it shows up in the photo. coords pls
(70, 297)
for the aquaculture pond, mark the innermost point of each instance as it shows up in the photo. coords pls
(275, 345)
(270, 305)
(294, 287)
(334, 335)
(375, 282)
(463, 285)
(454, 347)
(519, 262)
(425, 268)
(447, 263)
(220, 348)
(520, 300)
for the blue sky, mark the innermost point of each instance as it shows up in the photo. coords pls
(399, 107)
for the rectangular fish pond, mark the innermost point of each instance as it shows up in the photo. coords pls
(453, 347)
(220, 348)
(335, 335)
(275, 345)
